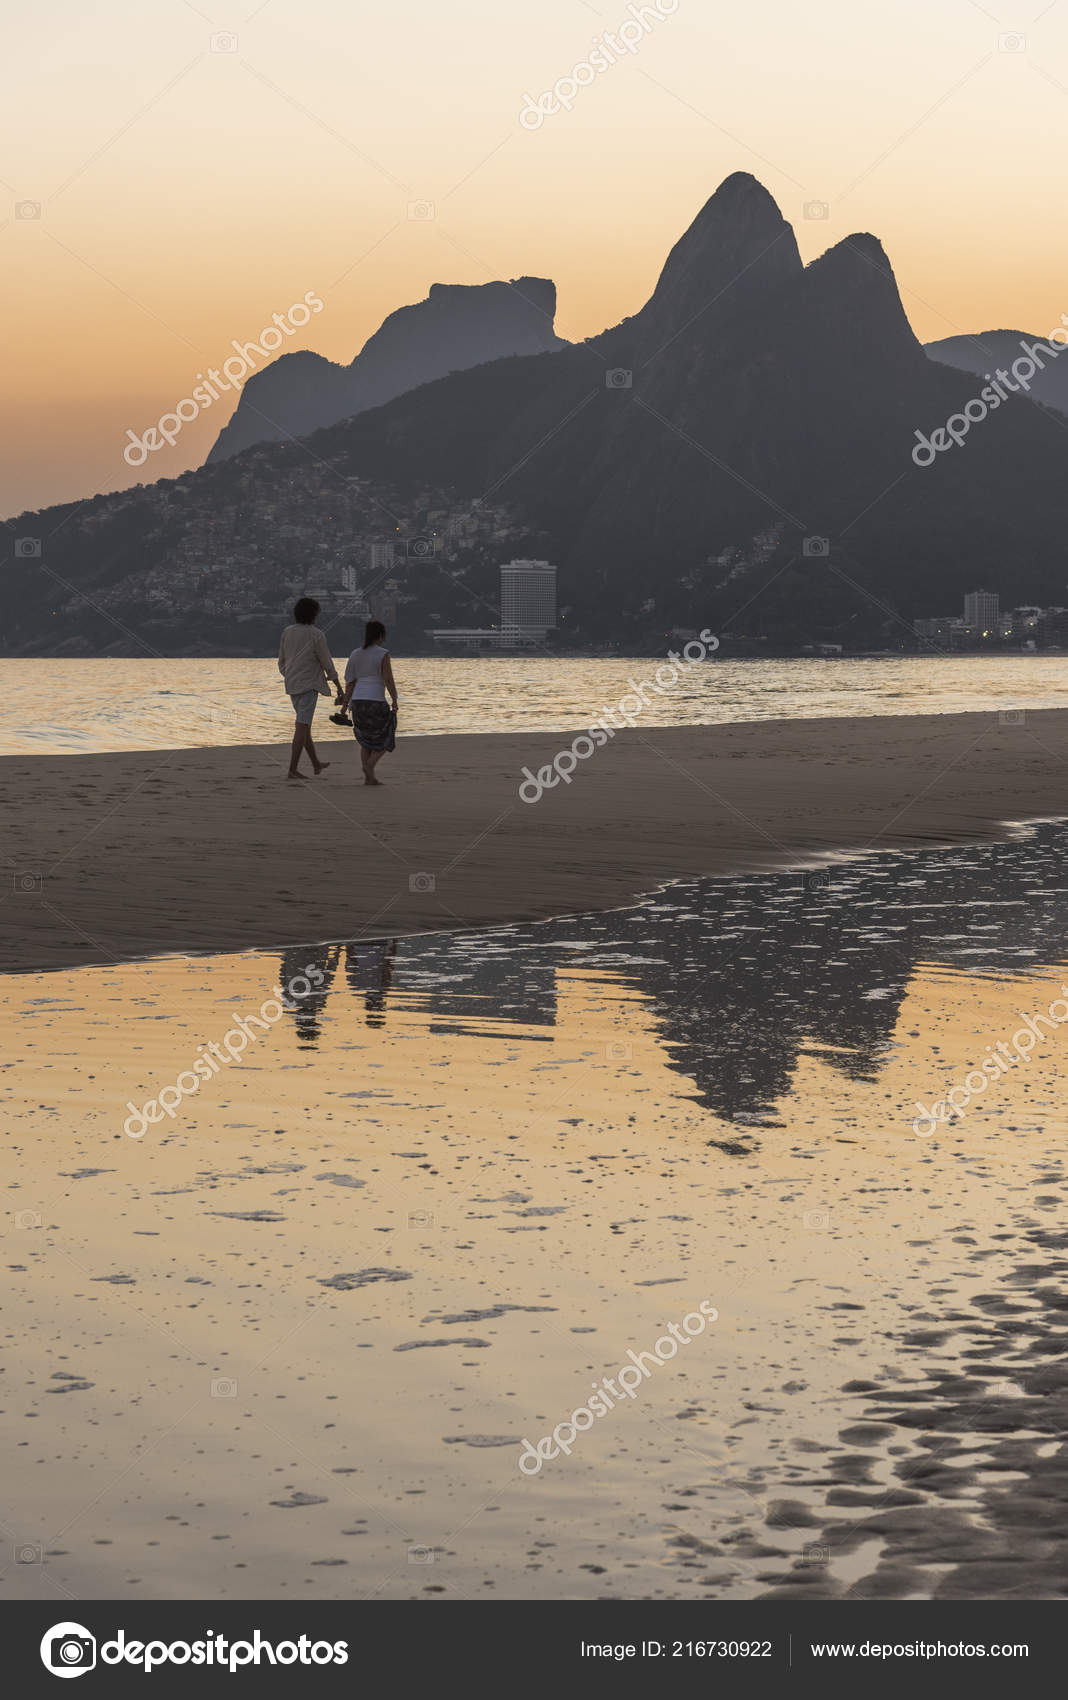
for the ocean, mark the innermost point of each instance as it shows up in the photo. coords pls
(63, 706)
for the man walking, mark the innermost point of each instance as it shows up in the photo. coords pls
(305, 663)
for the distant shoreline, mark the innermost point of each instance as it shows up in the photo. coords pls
(140, 853)
(419, 653)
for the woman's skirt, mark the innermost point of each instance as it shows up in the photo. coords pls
(374, 725)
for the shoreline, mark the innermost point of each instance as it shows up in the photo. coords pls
(130, 855)
(1008, 830)
(416, 652)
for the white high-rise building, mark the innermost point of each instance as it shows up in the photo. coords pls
(381, 557)
(981, 611)
(528, 601)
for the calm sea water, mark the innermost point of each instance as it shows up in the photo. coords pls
(70, 705)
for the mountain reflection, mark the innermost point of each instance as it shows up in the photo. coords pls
(740, 976)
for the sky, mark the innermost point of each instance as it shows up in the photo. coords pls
(173, 174)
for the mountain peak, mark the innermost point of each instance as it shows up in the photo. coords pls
(738, 237)
(458, 325)
(742, 185)
(537, 292)
(852, 289)
(858, 249)
(986, 351)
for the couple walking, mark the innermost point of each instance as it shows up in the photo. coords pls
(305, 663)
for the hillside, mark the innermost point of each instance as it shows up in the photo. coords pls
(737, 454)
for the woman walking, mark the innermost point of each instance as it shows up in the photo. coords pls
(305, 663)
(368, 676)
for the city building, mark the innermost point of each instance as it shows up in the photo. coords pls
(381, 557)
(470, 638)
(1053, 627)
(528, 602)
(982, 611)
(1025, 621)
(943, 629)
(1028, 626)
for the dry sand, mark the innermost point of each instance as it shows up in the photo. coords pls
(122, 855)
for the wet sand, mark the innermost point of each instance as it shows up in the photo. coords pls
(116, 856)
(288, 1344)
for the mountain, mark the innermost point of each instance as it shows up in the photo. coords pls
(750, 391)
(457, 326)
(738, 454)
(985, 353)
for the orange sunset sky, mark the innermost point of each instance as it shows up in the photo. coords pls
(199, 167)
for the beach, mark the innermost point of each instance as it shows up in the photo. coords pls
(130, 854)
(534, 904)
(297, 1335)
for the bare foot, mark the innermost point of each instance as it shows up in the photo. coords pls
(322, 767)
(299, 776)
(372, 782)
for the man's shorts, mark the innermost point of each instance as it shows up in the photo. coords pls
(304, 706)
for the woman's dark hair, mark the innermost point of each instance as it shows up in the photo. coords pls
(305, 611)
(374, 632)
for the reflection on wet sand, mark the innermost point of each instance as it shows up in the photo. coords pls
(368, 971)
(744, 976)
(301, 1329)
